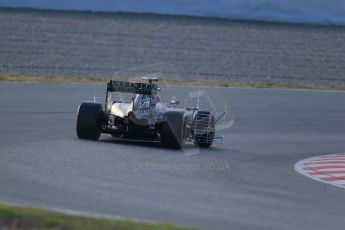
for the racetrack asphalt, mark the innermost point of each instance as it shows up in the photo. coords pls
(248, 182)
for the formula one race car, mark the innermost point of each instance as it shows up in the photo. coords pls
(145, 117)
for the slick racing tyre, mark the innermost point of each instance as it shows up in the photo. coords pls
(88, 120)
(204, 128)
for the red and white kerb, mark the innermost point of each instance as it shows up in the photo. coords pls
(328, 169)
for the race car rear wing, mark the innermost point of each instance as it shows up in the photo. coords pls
(129, 87)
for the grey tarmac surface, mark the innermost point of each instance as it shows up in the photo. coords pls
(248, 182)
(54, 43)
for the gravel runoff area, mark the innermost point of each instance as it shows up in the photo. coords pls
(85, 44)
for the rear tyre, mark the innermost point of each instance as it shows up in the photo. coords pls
(172, 131)
(89, 120)
(204, 128)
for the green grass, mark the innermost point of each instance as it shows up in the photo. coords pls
(30, 218)
(91, 80)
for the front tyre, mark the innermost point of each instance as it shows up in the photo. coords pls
(204, 128)
(89, 120)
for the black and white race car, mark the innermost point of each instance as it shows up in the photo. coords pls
(145, 117)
